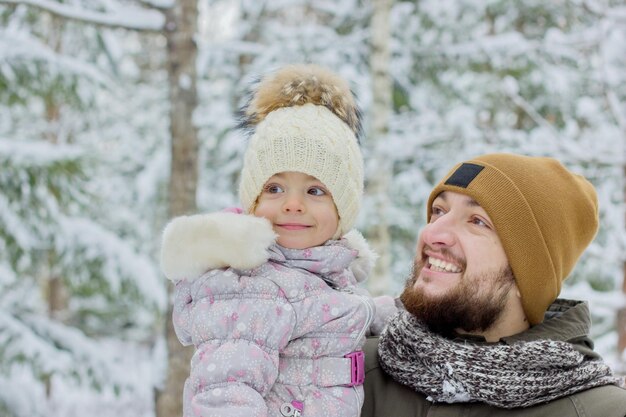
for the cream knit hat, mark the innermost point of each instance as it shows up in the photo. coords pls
(304, 118)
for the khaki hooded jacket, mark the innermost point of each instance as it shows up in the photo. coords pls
(565, 320)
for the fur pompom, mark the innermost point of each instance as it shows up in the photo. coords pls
(192, 245)
(296, 85)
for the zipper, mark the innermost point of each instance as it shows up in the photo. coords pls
(358, 397)
(368, 321)
(370, 314)
(367, 301)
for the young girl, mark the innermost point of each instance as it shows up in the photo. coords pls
(269, 298)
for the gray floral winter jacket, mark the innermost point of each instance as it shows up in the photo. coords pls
(277, 331)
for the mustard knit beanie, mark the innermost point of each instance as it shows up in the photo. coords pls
(304, 118)
(544, 215)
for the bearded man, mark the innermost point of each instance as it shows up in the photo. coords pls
(482, 332)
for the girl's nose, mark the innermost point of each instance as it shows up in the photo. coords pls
(293, 204)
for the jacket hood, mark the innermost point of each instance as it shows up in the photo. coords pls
(365, 260)
(192, 245)
(565, 320)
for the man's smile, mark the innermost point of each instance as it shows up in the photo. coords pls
(439, 265)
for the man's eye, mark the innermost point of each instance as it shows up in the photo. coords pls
(273, 189)
(317, 191)
(437, 211)
(479, 222)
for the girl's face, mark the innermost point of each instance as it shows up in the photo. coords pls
(300, 208)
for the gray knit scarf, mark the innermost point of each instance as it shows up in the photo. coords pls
(508, 376)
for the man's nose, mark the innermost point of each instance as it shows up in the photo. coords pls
(293, 204)
(440, 232)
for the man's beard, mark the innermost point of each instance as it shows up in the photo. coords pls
(474, 304)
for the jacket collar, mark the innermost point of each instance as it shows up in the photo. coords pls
(564, 321)
(330, 261)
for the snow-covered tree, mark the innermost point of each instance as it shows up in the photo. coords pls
(72, 272)
(85, 153)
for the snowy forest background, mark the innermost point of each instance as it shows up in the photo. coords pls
(94, 92)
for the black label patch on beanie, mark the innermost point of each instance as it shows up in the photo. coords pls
(464, 175)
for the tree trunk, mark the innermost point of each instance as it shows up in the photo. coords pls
(180, 28)
(378, 186)
(55, 290)
(621, 313)
(252, 36)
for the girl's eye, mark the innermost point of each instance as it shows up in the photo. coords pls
(273, 189)
(317, 191)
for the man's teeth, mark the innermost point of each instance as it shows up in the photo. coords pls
(442, 266)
